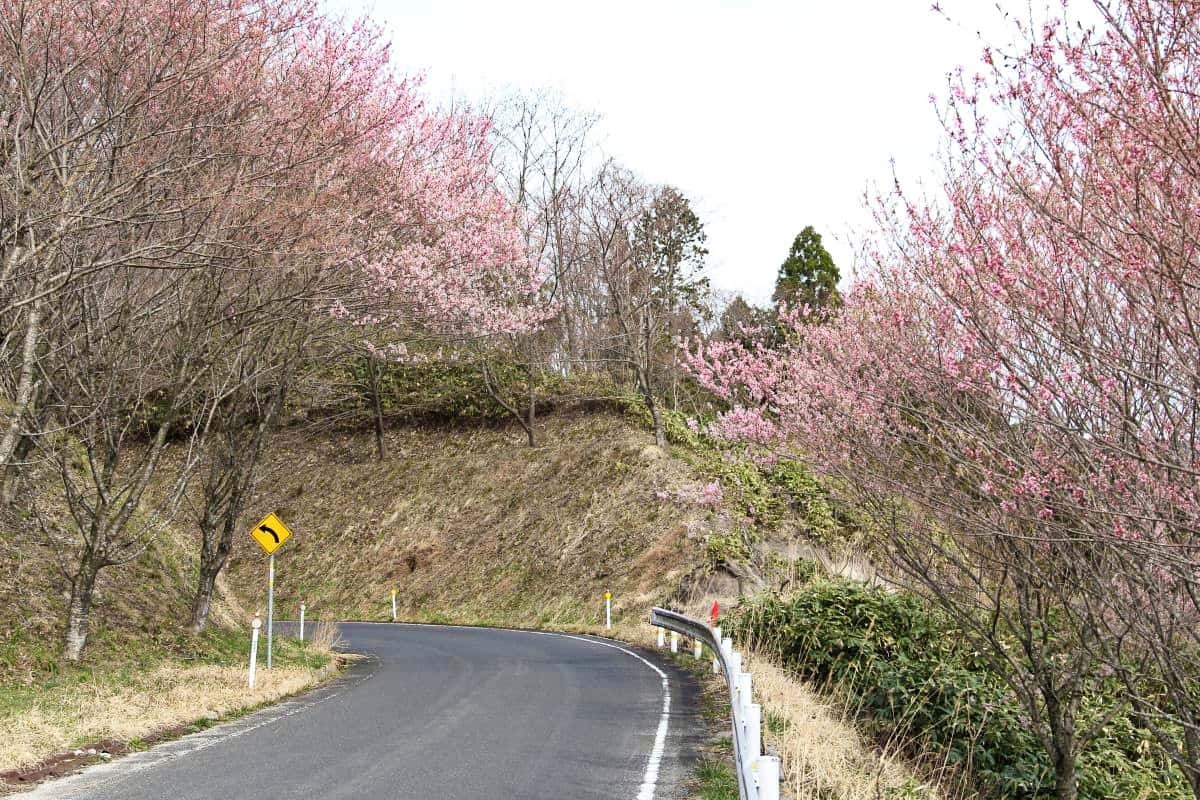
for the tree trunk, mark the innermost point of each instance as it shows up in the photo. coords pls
(1066, 785)
(1061, 718)
(531, 419)
(214, 553)
(525, 420)
(25, 384)
(81, 605)
(12, 472)
(377, 408)
(1193, 780)
(660, 435)
(225, 497)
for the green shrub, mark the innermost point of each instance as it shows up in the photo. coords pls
(763, 494)
(910, 671)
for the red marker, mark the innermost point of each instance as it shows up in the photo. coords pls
(716, 610)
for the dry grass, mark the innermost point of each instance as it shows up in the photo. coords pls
(325, 637)
(823, 753)
(473, 526)
(161, 698)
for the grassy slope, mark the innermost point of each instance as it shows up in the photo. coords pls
(138, 611)
(473, 526)
(468, 524)
(142, 671)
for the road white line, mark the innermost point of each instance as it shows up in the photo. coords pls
(650, 778)
(80, 785)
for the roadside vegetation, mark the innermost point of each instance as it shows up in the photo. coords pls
(1008, 393)
(826, 748)
(913, 680)
(112, 707)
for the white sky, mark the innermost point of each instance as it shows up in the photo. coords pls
(770, 115)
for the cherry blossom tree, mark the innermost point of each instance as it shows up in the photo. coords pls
(188, 190)
(1012, 387)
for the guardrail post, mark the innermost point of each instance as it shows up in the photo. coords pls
(662, 638)
(743, 691)
(697, 649)
(754, 729)
(254, 626)
(302, 622)
(674, 641)
(766, 775)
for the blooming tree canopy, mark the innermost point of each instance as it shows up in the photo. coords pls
(1016, 372)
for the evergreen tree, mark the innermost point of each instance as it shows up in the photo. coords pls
(808, 276)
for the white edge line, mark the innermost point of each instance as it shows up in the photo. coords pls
(650, 778)
(90, 778)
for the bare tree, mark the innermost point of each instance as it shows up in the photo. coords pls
(119, 384)
(648, 248)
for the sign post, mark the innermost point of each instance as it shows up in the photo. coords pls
(270, 604)
(608, 610)
(270, 533)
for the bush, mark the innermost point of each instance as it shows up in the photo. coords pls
(763, 494)
(910, 670)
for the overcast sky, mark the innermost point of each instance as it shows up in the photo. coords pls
(769, 114)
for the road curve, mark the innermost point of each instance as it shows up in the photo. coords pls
(439, 712)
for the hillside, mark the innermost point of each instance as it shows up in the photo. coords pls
(467, 524)
(138, 607)
(473, 526)
(143, 677)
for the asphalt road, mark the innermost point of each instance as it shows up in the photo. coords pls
(439, 712)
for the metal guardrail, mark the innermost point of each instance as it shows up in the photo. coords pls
(758, 775)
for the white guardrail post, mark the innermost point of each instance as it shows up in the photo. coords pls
(302, 622)
(752, 724)
(757, 774)
(766, 775)
(744, 691)
(254, 627)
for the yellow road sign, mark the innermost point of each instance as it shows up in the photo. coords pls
(270, 533)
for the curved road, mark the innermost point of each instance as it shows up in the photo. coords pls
(439, 712)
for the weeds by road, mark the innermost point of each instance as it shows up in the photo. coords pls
(123, 705)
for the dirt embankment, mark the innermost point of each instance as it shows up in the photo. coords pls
(473, 526)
